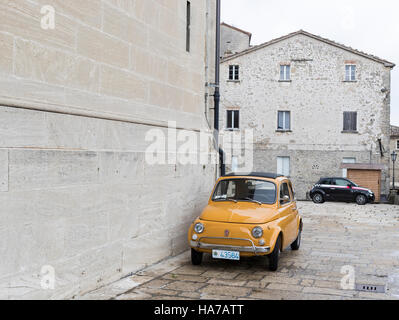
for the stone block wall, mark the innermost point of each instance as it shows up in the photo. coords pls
(76, 102)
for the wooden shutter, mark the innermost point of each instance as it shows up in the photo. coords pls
(229, 119)
(350, 121)
(236, 119)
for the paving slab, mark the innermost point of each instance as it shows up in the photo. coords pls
(337, 237)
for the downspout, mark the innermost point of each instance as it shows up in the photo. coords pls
(216, 95)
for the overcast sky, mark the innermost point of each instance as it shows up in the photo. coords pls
(369, 26)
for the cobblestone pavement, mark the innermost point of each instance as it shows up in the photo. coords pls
(334, 235)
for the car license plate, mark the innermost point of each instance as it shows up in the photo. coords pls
(227, 255)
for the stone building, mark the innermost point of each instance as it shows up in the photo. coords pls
(233, 39)
(394, 146)
(317, 108)
(81, 85)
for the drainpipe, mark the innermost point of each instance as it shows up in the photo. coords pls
(216, 95)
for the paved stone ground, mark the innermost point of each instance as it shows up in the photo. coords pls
(334, 235)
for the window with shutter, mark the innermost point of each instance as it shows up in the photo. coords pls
(350, 121)
(233, 119)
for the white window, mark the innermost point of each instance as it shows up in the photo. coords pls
(350, 72)
(284, 120)
(234, 72)
(283, 166)
(233, 119)
(285, 73)
(347, 160)
(234, 163)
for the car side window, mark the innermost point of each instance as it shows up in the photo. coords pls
(325, 181)
(285, 196)
(341, 182)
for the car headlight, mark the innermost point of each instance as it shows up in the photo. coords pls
(199, 227)
(257, 232)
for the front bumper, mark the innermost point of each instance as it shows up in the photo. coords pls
(371, 197)
(210, 246)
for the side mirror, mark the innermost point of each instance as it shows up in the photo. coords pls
(350, 186)
(285, 199)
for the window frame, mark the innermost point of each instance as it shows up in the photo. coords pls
(350, 75)
(234, 72)
(350, 121)
(289, 193)
(289, 165)
(233, 118)
(285, 73)
(284, 112)
(397, 144)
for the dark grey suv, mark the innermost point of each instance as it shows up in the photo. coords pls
(340, 189)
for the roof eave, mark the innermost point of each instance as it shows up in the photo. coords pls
(330, 42)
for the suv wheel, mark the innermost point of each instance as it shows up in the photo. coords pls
(361, 199)
(274, 256)
(318, 198)
(196, 257)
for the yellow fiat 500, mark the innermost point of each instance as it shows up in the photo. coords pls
(247, 215)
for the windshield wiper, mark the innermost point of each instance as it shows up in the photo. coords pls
(231, 199)
(253, 200)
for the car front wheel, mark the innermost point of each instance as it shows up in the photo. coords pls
(297, 243)
(318, 198)
(196, 257)
(361, 199)
(275, 255)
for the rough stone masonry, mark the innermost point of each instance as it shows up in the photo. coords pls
(316, 95)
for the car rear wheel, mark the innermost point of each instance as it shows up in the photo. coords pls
(275, 255)
(361, 199)
(318, 198)
(196, 257)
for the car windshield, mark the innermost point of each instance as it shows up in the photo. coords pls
(250, 190)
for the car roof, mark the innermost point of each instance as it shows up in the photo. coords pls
(254, 174)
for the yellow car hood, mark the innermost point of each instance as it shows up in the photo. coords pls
(240, 212)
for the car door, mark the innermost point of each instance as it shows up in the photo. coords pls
(340, 191)
(326, 186)
(288, 213)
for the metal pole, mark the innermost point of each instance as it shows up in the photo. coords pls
(216, 95)
(393, 175)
